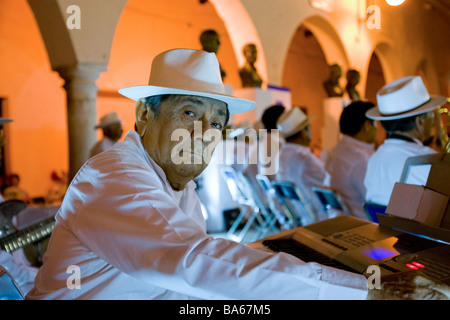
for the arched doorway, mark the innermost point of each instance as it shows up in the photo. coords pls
(375, 81)
(375, 78)
(388, 61)
(147, 28)
(314, 46)
(305, 70)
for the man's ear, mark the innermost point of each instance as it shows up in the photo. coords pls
(143, 116)
(368, 124)
(420, 119)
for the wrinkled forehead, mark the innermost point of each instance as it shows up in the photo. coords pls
(218, 106)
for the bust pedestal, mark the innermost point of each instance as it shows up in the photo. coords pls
(264, 98)
(332, 109)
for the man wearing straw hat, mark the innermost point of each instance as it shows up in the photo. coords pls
(406, 111)
(131, 227)
(298, 164)
(112, 130)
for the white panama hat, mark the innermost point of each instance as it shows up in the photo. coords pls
(187, 72)
(292, 121)
(107, 120)
(402, 98)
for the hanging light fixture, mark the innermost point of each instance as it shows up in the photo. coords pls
(324, 5)
(394, 3)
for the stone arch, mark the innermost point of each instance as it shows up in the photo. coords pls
(79, 55)
(390, 63)
(325, 47)
(241, 31)
(375, 78)
(429, 76)
(329, 39)
(305, 68)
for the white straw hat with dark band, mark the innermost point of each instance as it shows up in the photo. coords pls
(107, 120)
(292, 121)
(402, 98)
(187, 72)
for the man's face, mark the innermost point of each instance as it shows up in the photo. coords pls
(182, 136)
(251, 53)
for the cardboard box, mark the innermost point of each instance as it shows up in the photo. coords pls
(418, 203)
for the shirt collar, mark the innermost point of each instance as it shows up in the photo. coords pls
(359, 143)
(397, 140)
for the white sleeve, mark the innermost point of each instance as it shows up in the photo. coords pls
(139, 230)
(22, 274)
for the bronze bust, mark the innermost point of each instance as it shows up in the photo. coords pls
(353, 78)
(331, 85)
(248, 73)
(210, 41)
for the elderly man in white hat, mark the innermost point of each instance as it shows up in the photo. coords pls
(297, 163)
(131, 227)
(112, 131)
(406, 111)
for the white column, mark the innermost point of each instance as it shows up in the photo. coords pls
(81, 92)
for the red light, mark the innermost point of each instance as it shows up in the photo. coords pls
(411, 266)
(419, 265)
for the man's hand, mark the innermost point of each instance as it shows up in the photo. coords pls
(412, 285)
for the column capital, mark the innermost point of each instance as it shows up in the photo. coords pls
(87, 71)
(80, 86)
(80, 80)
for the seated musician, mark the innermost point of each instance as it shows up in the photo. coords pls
(298, 164)
(347, 162)
(20, 269)
(131, 227)
(406, 111)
